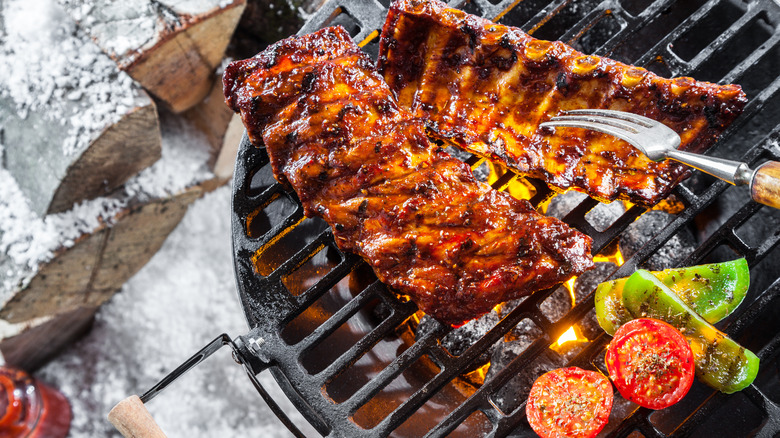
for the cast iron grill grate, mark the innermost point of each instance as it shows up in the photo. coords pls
(326, 323)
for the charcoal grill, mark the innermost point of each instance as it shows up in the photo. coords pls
(346, 351)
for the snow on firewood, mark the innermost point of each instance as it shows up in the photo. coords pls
(74, 126)
(125, 29)
(47, 67)
(28, 240)
(171, 47)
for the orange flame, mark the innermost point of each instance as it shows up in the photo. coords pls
(567, 336)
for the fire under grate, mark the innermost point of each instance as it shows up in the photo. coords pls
(357, 361)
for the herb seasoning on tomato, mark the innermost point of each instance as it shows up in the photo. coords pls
(569, 402)
(650, 363)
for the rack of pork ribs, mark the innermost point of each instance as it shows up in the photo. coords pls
(354, 146)
(335, 133)
(487, 87)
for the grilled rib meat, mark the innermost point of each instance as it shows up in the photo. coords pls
(486, 87)
(334, 132)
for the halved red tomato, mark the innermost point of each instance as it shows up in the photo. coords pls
(650, 363)
(569, 402)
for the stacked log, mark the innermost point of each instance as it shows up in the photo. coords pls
(62, 267)
(74, 126)
(170, 47)
(222, 127)
(94, 173)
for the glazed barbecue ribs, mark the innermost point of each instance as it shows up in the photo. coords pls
(486, 87)
(429, 230)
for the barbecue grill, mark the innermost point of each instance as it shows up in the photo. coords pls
(354, 358)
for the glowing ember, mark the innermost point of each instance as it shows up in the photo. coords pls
(477, 377)
(570, 287)
(616, 257)
(568, 335)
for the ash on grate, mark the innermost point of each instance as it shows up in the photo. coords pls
(563, 203)
(482, 172)
(557, 304)
(560, 301)
(604, 215)
(589, 325)
(600, 217)
(585, 284)
(457, 341)
(671, 254)
(525, 331)
(458, 153)
(514, 392)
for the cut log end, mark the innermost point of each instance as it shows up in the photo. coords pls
(121, 151)
(179, 69)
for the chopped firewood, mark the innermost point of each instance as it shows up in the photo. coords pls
(171, 47)
(29, 344)
(99, 262)
(54, 265)
(72, 125)
(223, 129)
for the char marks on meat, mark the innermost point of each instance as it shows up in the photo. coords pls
(335, 133)
(486, 87)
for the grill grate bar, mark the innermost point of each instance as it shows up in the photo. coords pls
(368, 14)
(767, 246)
(752, 59)
(752, 312)
(661, 46)
(347, 264)
(543, 16)
(414, 352)
(632, 25)
(723, 38)
(589, 20)
(303, 255)
(475, 161)
(367, 342)
(768, 92)
(283, 227)
(502, 182)
(684, 194)
(339, 317)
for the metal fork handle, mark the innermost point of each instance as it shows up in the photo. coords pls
(733, 172)
(764, 181)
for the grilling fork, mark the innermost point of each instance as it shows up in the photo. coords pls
(659, 142)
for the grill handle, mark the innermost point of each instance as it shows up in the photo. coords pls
(131, 418)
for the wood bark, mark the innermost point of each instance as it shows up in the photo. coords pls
(89, 272)
(171, 48)
(31, 344)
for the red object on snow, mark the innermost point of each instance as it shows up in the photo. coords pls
(29, 408)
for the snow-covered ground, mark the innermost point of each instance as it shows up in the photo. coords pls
(182, 299)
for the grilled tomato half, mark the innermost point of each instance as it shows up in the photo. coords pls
(650, 363)
(569, 402)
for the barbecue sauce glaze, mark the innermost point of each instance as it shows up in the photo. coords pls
(335, 133)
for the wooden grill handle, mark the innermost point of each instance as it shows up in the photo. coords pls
(765, 186)
(131, 418)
